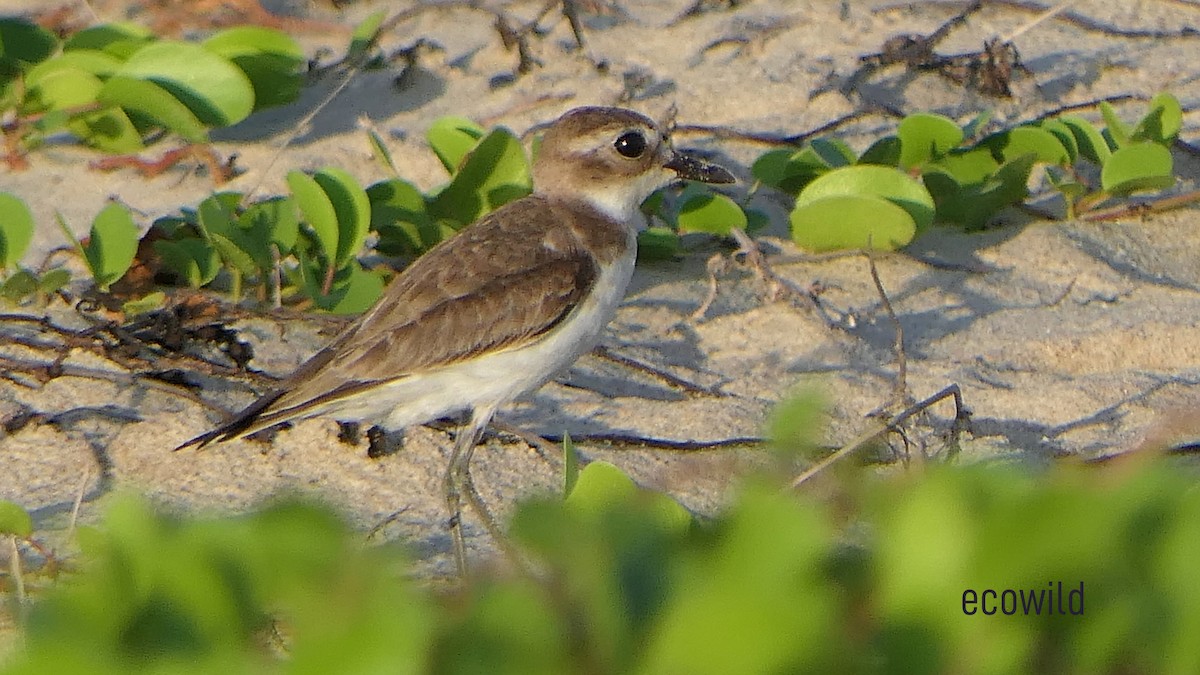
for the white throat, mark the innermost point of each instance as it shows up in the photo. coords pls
(621, 201)
(618, 205)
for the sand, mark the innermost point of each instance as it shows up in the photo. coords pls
(1066, 338)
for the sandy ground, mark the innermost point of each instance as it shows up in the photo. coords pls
(1066, 338)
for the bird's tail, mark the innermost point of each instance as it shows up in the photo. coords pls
(246, 422)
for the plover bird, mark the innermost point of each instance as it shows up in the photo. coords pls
(495, 311)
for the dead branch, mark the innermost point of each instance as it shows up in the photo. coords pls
(961, 419)
(900, 385)
(675, 381)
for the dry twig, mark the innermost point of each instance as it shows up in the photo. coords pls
(961, 418)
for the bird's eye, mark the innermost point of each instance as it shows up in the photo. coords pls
(631, 144)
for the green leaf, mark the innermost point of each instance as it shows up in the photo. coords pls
(1118, 130)
(316, 210)
(1089, 139)
(1012, 143)
(399, 215)
(971, 129)
(215, 219)
(771, 167)
(570, 465)
(494, 173)
(654, 205)
(795, 424)
(59, 86)
(68, 234)
(841, 222)
(155, 104)
(734, 610)
(354, 290)
(1064, 135)
(233, 255)
(1065, 183)
(352, 209)
(756, 220)
(926, 136)
(14, 519)
(658, 243)
(272, 220)
(98, 63)
(602, 486)
(112, 245)
(119, 40)
(233, 242)
(193, 259)
(216, 91)
(383, 156)
(147, 303)
(252, 40)
(968, 167)
(55, 86)
(833, 151)
(16, 230)
(1162, 123)
(174, 227)
(23, 43)
(365, 34)
(878, 181)
(883, 152)
(452, 138)
(711, 212)
(271, 60)
(19, 286)
(53, 280)
(789, 170)
(973, 206)
(1137, 167)
(52, 121)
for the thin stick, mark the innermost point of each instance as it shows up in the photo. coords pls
(662, 375)
(1142, 208)
(730, 133)
(91, 10)
(891, 425)
(900, 387)
(1116, 98)
(54, 370)
(14, 568)
(547, 445)
(391, 518)
(715, 265)
(776, 284)
(300, 127)
(1037, 20)
(87, 478)
(1077, 20)
(545, 448)
(630, 441)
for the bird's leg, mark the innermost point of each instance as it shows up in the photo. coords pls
(475, 500)
(458, 478)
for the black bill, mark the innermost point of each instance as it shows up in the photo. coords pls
(699, 170)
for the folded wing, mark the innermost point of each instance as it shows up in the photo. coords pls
(463, 297)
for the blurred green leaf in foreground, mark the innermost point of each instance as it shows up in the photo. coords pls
(875, 581)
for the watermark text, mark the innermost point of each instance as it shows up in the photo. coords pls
(1055, 598)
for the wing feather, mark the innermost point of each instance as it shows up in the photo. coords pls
(464, 296)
